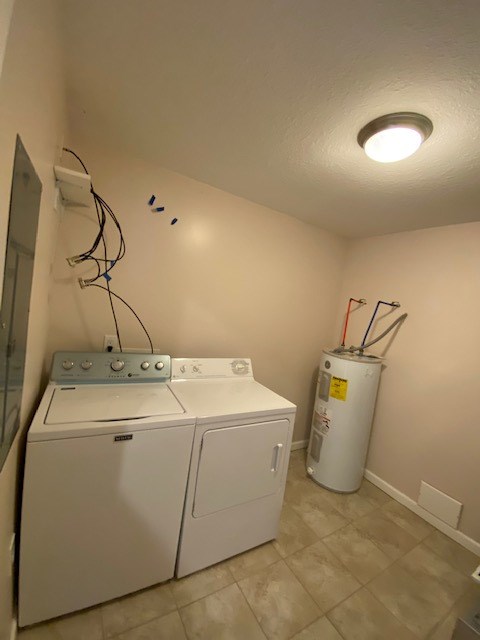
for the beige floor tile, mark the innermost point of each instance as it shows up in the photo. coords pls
(416, 608)
(224, 615)
(85, 625)
(324, 577)
(322, 492)
(460, 558)
(292, 489)
(280, 603)
(295, 473)
(319, 515)
(252, 561)
(373, 493)
(167, 627)
(388, 536)
(362, 617)
(321, 629)
(350, 505)
(293, 533)
(132, 611)
(38, 632)
(358, 553)
(428, 568)
(300, 488)
(416, 526)
(419, 589)
(444, 630)
(201, 584)
(298, 454)
(296, 466)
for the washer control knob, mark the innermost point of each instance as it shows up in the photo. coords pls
(195, 369)
(86, 364)
(183, 368)
(159, 366)
(117, 365)
(67, 365)
(145, 365)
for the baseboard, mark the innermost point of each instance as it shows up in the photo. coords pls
(299, 444)
(13, 630)
(454, 534)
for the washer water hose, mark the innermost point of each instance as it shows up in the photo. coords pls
(361, 348)
(387, 304)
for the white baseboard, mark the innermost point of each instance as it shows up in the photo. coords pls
(454, 534)
(13, 630)
(299, 444)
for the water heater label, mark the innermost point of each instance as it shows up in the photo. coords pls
(338, 388)
(322, 419)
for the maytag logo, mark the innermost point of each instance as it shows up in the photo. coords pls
(128, 436)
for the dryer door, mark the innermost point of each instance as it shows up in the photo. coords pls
(240, 464)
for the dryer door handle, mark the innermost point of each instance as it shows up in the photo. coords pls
(276, 457)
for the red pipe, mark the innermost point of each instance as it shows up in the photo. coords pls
(361, 301)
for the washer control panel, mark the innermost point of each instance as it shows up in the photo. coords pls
(104, 367)
(204, 368)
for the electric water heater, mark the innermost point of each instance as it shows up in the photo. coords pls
(342, 419)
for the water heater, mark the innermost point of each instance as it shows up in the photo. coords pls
(342, 419)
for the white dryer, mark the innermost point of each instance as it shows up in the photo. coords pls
(239, 460)
(106, 470)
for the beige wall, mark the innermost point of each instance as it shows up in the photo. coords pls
(427, 418)
(31, 104)
(6, 8)
(231, 278)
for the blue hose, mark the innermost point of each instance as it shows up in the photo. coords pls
(389, 304)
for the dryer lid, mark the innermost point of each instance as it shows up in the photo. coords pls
(212, 399)
(104, 403)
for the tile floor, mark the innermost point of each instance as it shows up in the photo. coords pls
(351, 567)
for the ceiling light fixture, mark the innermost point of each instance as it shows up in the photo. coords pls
(395, 136)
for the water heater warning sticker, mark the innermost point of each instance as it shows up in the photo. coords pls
(322, 419)
(338, 388)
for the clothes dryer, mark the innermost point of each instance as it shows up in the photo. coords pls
(239, 462)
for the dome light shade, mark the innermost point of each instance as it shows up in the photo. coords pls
(395, 136)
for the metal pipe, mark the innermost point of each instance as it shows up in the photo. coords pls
(389, 304)
(360, 301)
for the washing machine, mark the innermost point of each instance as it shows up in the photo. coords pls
(106, 470)
(239, 462)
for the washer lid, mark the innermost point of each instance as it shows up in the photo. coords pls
(103, 403)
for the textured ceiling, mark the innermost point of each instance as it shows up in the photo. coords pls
(264, 99)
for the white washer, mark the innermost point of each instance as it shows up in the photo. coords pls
(106, 470)
(239, 460)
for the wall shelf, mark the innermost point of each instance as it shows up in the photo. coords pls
(74, 187)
